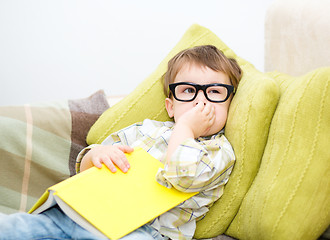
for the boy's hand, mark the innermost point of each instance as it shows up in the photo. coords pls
(199, 119)
(109, 155)
(192, 124)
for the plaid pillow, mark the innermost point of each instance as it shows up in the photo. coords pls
(39, 144)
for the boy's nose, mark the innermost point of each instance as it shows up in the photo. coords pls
(200, 97)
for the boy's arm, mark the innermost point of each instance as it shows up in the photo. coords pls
(192, 124)
(190, 165)
(199, 166)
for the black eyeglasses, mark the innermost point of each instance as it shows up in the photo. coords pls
(186, 92)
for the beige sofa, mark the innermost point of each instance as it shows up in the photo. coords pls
(39, 142)
(297, 36)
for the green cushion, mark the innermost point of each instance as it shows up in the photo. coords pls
(247, 129)
(289, 198)
(249, 118)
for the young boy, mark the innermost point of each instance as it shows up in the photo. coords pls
(197, 157)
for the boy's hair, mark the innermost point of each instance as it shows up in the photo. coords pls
(206, 55)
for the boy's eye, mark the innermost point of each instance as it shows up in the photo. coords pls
(215, 90)
(189, 90)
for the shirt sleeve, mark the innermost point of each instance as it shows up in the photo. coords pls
(125, 136)
(198, 165)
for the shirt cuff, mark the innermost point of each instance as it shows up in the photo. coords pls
(81, 154)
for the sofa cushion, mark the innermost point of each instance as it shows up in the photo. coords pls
(289, 198)
(249, 118)
(38, 143)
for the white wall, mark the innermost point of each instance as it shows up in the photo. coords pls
(62, 49)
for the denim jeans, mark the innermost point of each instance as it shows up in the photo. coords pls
(54, 224)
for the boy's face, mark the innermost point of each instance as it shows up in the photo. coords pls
(200, 75)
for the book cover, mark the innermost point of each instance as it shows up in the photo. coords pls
(114, 204)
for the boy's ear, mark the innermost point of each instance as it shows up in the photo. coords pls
(169, 107)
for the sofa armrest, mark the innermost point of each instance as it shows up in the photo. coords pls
(113, 99)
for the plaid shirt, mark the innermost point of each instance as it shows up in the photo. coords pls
(198, 165)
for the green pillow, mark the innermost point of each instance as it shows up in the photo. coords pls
(249, 118)
(289, 198)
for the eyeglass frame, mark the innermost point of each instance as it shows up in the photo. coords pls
(230, 89)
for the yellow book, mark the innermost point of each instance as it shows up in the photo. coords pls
(113, 204)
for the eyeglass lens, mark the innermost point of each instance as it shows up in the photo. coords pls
(187, 92)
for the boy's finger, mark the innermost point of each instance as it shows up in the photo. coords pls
(208, 108)
(97, 162)
(212, 112)
(126, 149)
(200, 105)
(212, 120)
(121, 162)
(110, 165)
